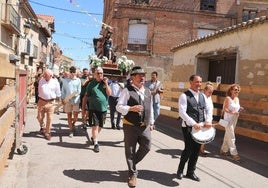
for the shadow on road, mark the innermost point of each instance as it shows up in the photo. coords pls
(252, 152)
(97, 176)
(174, 153)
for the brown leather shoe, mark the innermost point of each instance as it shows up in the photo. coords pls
(224, 153)
(132, 182)
(42, 131)
(236, 158)
(47, 136)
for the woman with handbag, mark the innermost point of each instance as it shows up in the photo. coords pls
(231, 109)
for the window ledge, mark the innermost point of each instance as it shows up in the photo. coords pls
(137, 52)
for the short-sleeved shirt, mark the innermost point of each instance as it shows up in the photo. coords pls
(69, 86)
(97, 97)
(153, 86)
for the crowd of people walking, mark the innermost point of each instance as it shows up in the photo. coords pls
(134, 107)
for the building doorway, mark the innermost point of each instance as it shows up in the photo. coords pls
(219, 67)
(222, 70)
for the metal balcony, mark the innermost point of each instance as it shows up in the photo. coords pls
(10, 18)
(137, 45)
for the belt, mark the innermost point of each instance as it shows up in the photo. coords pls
(48, 100)
(126, 122)
(114, 97)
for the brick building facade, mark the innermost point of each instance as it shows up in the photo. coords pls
(146, 32)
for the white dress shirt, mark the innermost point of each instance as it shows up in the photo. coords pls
(122, 106)
(48, 90)
(116, 89)
(183, 107)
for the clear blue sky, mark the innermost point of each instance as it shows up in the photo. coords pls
(75, 26)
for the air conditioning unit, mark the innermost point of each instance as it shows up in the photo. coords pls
(13, 57)
(33, 51)
(25, 46)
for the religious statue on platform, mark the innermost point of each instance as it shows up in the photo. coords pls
(107, 46)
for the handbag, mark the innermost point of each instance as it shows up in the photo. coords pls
(223, 123)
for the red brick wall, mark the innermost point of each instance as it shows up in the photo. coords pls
(166, 27)
(169, 24)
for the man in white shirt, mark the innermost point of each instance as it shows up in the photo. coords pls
(135, 103)
(48, 91)
(194, 112)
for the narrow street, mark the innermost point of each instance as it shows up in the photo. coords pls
(167, 43)
(71, 162)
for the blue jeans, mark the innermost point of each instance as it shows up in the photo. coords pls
(156, 108)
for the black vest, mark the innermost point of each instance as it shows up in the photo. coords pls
(196, 110)
(134, 99)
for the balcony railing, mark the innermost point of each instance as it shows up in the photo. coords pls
(11, 19)
(140, 1)
(137, 45)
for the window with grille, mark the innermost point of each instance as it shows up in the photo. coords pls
(140, 1)
(248, 15)
(137, 37)
(208, 5)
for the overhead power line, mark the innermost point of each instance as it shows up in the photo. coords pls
(77, 38)
(71, 36)
(67, 10)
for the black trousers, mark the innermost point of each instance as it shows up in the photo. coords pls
(190, 152)
(112, 104)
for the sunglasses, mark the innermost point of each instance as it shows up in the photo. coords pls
(236, 90)
(99, 72)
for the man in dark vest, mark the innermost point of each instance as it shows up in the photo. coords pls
(192, 110)
(135, 104)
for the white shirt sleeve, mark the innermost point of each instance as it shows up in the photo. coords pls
(182, 111)
(209, 110)
(122, 106)
(152, 113)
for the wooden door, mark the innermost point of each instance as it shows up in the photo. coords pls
(224, 68)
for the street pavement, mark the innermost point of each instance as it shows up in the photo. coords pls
(65, 162)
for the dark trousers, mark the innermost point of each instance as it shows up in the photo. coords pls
(134, 135)
(112, 104)
(36, 97)
(190, 152)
